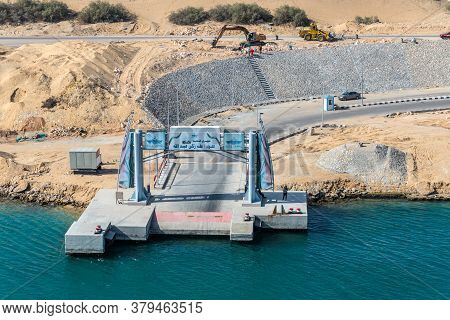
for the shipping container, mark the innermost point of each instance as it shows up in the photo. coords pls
(85, 159)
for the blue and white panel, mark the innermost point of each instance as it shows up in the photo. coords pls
(234, 141)
(195, 138)
(155, 140)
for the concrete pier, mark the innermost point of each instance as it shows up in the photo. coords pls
(204, 199)
(118, 221)
(241, 230)
(191, 223)
(140, 222)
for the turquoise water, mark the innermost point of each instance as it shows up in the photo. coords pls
(355, 250)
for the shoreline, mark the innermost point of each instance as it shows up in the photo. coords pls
(63, 200)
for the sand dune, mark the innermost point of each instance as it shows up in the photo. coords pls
(95, 85)
(79, 75)
(324, 11)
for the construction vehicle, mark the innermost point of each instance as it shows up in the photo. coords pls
(314, 33)
(252, 38)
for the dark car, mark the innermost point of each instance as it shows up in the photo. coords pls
(350, 95)
(445, 36)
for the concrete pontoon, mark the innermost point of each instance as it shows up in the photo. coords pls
(204, 198)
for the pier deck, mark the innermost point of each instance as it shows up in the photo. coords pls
(205, 198)
(139, 222)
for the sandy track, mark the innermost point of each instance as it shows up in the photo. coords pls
(133, 76)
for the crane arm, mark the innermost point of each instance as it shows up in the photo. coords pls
(229, 27)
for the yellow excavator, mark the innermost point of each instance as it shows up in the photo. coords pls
(252, 38)
(314, 33)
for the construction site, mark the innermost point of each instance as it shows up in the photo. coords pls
(281, 87)
(193, 150)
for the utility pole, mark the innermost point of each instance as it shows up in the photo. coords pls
(150, 170)
(323, 97)
(361, 76)
(233, 102)
(233, 87)
(168, 119)
(362, 85)
(257, 117)
(321, 125)
(178, 111)
(156, 170)
(232, 93)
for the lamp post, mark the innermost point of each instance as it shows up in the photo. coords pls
(362, 85)
(361, 76)
(323, 107)
(178, 110)
(321, 124)
(168, 118)
(257, 117)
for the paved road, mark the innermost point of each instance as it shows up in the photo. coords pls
(18, 41)
(281, 119)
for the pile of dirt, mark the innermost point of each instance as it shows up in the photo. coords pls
(433, 24)
(91, 87)
(218, 84)
(33, 124)
(78, 76)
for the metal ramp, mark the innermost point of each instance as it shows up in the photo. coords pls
(163, 173)
(262, 79)
(167, 174)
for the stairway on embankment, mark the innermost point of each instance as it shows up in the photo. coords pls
(261, 78)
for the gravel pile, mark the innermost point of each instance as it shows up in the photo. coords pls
(371, 163)
(301, 73)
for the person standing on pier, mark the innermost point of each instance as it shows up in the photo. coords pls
(285, 191)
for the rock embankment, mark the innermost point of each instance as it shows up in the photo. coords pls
(197, 89)
(300, 73)
(346, 188)
(48, 194)
(370, 163)
(382, 67)
(18, 182)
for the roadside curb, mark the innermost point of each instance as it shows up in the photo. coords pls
(194, 119)
(279, 139)
(395, 101)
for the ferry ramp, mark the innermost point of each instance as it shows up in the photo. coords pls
(204, 182)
